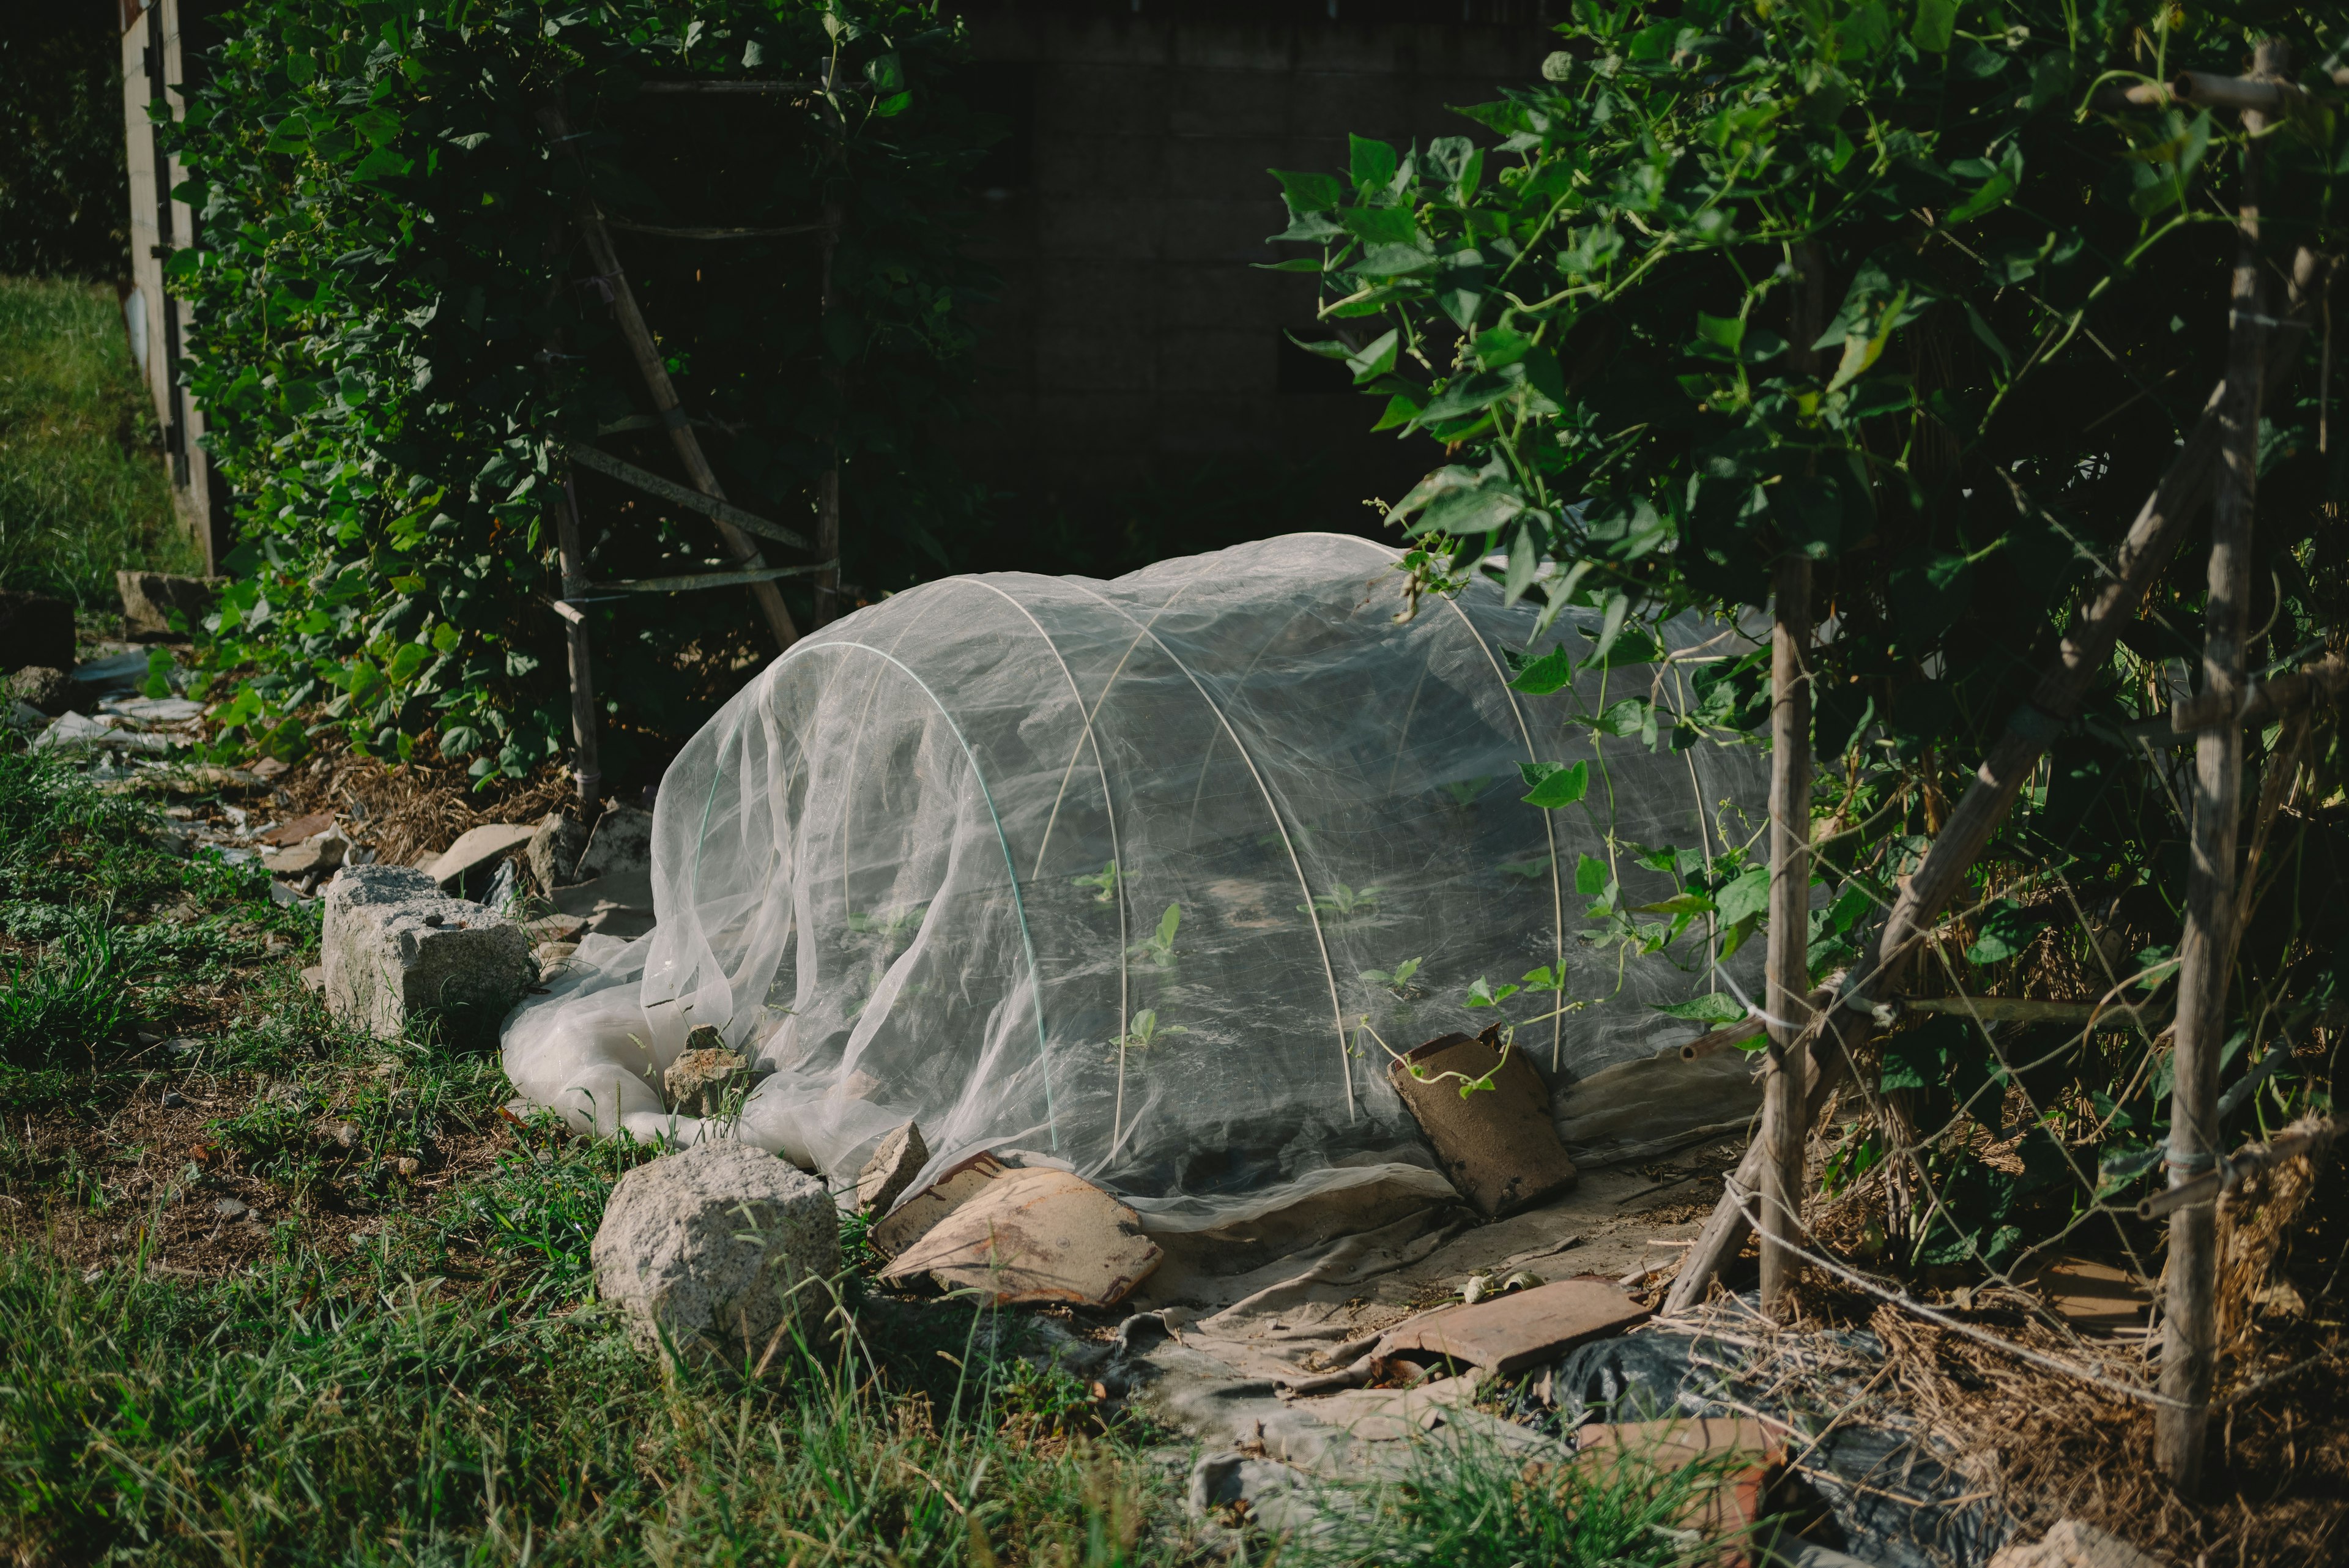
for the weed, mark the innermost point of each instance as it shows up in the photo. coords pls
(59, 1009)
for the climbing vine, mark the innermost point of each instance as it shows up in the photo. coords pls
(1916, 291)
(396, 325)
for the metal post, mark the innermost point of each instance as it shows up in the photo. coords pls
(586, 771)
(1784, 1127)
(2190, 1322)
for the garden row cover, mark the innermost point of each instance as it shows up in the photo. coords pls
(1122, 876)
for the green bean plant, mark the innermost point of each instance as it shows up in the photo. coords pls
(1918, 292)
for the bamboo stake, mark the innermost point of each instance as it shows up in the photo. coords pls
(2189, 1319)
(586, 767)
(654, 372)
(1784, 1126)
(827, 509)
(2153, 539)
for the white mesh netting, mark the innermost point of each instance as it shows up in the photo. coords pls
(1111, 873)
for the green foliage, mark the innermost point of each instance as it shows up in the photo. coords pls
(83, 486)
(397, 324)
(1891, 288)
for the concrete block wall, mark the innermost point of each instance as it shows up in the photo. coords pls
(1134, 337)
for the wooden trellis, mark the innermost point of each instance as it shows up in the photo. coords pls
(739, 529)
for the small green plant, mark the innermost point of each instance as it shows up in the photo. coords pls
(1398, 980)
(1159, 947)
(1342, 901)
(1106, 879)
(1427, 567)
(57, 1009)
(1464, 792)
(888, 924)
(1144, 1029)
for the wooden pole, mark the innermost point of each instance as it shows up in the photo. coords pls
(650, 365)
(835, 381)
(586, 766)
(2189, 1318)
(2153, 539)
(1784, 1126)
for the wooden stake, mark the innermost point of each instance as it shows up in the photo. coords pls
(2153, 539)
(835, 381)
(650, 365)
(2189, 1319)
(1784, 1126)
(586, 766)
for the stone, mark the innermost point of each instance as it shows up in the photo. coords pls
(1498, 1145)
(324, 853)
(892, 1169)
(475, 848)
(396, 949)
(35, 629)
(713, 1249)
(286, 835)
(43, 687)
(1036, 1236)
(555, 846)
(696, 1083)
(2074, 1543)
(551, 957)
(622, 842)
(1506, 1335)
(149, 599)
(619, 904)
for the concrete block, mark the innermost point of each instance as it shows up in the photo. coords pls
(1107, 228)
(396, 948)
(1075, 99)
(1108, 357)
(1247, 100)
(1234, 168)
(149, 599)
(714, 1249)
(1231, 363)
(1224, 232)
(35, 628)
(623, 841)
(1101, 168)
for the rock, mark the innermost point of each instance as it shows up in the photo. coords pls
(396, 948)
(149, 599)
(551, 958)
(475, 848)
(35, 629)
(2074, 1543)
(697, 1082)
(892, 1169)
(622, 842)
(43, 687)
(173, 1100)
(324, 853)
(619, 904)
(286, 835)
(555, 846)
(1036, 1236)
(704, 1250)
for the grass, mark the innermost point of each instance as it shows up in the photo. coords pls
(396, 1355)
(83, 484)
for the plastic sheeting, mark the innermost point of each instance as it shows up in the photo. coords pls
(1112, 875)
